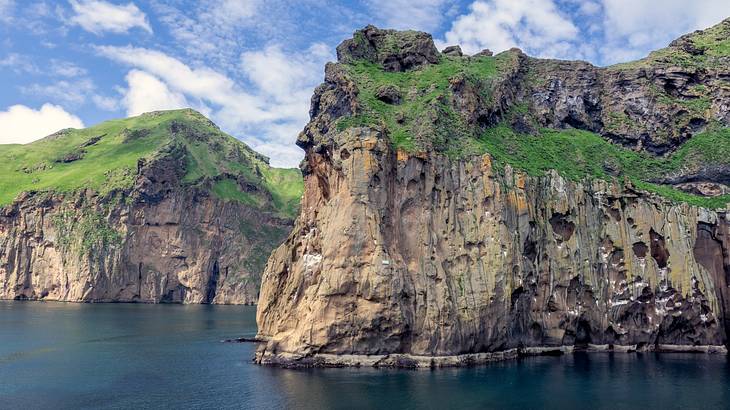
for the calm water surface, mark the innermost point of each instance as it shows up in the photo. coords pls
(58, 355)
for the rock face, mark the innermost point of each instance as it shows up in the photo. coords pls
(421, 258)
(162, 240)
(394, 50)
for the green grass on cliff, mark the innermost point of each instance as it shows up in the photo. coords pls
(416, 120)
(110, 163)
(712, 47)
(579, 154)
(425, 119)
(105, 158)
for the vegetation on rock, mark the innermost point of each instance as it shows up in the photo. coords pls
(422, 109)
(106, 158)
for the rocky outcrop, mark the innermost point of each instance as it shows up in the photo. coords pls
(421, 259)
(163, 240)
(187, 247)
(394, 50)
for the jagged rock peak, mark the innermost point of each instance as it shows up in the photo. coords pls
(395, 50)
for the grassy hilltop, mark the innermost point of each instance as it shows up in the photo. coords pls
(105, 157)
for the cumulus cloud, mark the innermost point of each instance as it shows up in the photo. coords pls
(285, 80)
(98, 16)
(602, 31)
(632, 28)
(534, 25)
(20, 124)
(147, 93)
(203, 83)
(269, 111)
(424, 15)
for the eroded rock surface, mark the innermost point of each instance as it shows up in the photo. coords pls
(163, 240)
(422, 259)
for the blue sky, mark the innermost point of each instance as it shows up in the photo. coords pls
(251, 65)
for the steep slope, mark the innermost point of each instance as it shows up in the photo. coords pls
(163, 207)
(460, 209)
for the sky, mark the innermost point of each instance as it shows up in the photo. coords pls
(251, 65)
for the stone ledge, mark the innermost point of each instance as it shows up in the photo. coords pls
(408, 361)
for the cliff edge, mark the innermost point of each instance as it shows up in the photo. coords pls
(460, 209)
(163, 207)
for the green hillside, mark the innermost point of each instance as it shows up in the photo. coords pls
(105, 158)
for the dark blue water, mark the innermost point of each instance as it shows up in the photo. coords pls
(57, 355)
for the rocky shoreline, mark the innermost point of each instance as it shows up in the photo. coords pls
(408, 361)
(441, 214)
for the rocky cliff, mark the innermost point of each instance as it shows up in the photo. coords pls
(159, 208)
(461, 209)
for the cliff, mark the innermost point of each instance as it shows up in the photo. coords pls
(461, 209)
(163, 207)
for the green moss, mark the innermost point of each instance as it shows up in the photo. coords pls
(426, 120)
(264, 239)
(712, 45)
(103, 166)
(715, 41)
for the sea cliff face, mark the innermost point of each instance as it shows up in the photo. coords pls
(161, 237)
(510, 213)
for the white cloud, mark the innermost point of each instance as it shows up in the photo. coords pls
(98, 16)
(106, 103)
(23, 64)
(589, 8)
(212, 30)
(232, 11)
(284, 80)
(6, 10)
(633, 28)
(69, 92)
(424, 15)
(534, 25)
(21, 124)
(270, 112)
(66, 69)
(19, 64)
(204, 83)
(147, 93)
(602, 31)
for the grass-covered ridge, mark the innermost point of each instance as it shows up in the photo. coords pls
(105, 157)
(424, 119)
(709, 48)
(579, 154)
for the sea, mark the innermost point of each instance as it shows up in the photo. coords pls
(136, 356)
